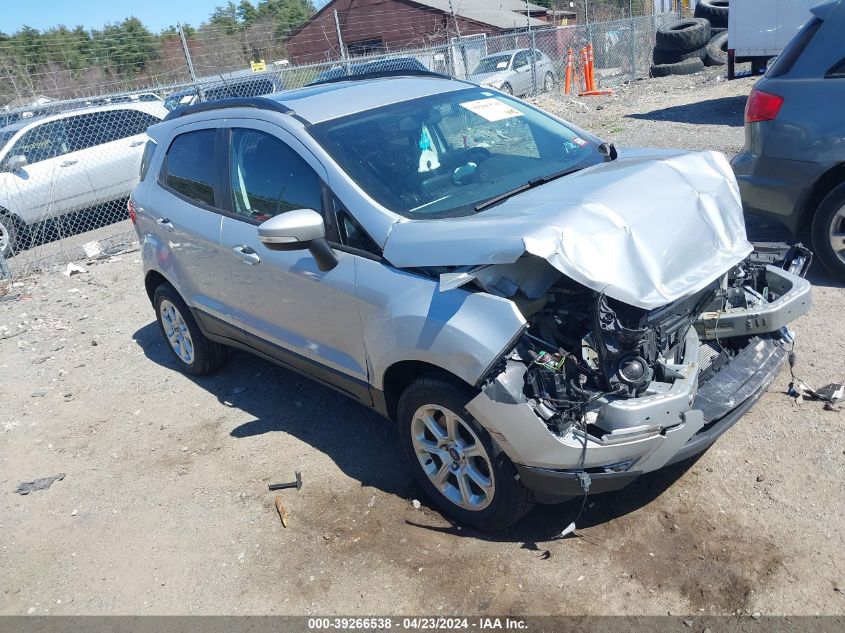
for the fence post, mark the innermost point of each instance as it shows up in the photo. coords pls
(533, 61)
(634, 37)
(188, 60)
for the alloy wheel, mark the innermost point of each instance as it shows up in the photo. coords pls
(836, 234)
(453, 457)
(176, 331)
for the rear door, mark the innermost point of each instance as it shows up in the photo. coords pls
(181, 224)
(289, 308)
(111, 143)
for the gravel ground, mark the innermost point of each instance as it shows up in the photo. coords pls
(164, 506)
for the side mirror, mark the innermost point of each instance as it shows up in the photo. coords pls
(16, 162)
(609, 151)
(299, 229)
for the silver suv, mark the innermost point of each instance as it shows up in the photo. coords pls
(543, 317)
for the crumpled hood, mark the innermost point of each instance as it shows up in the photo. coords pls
(647, 230)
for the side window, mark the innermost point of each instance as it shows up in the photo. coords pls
(520, 59)
(351, 233)
(126, 123)
(268, 177)
(46, 141)
(189, 166)
(88, 130)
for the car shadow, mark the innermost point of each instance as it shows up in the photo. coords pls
(367, 449)
(723, 111)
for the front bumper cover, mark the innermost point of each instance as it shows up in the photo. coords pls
(671, 422)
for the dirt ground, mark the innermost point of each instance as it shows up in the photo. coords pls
(164, 506)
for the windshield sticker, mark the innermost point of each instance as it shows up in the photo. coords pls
(579, 141)
(491, 109)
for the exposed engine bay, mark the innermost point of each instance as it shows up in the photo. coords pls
(582, 348)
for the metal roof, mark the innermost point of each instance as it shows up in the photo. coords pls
(503, 14)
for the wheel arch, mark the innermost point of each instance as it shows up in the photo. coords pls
(152, 280)
(400, 375)
(820, 189)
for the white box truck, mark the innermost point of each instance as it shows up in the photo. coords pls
(760, 29)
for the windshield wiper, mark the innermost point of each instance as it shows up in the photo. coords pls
(542, 180)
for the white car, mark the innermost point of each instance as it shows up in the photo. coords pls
(66, 162)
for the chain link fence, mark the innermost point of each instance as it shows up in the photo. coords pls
(71, 142)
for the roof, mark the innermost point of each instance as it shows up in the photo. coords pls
(319, 103)
(150, 107)
(503, 14)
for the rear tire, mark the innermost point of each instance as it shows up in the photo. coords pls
(548, 82)
(480, 488)
(828, 227)
(195, 354)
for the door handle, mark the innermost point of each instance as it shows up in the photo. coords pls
(165, 224)
(136, 143)
(68, 163)
(246, 254)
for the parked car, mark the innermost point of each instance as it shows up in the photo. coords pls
(379, 65)
(791, 168)
(58, 164)
(490, 277)
(224, 89)
(516, 71)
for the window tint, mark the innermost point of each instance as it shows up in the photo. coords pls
(149, 150)
(46, 141)
(269, 178)
(786, 60)
(96, 128)
(190, 165)
(837, 71)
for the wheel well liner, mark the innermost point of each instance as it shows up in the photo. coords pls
(152, 281)
(826, 183)
(400, 375)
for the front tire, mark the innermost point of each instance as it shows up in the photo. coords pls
(828, 232)
(195, 354)
(461, 468)
(8, 236)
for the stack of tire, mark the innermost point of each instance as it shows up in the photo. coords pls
(684, 47)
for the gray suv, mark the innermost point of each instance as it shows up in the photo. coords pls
(490, 277)
(792, 168)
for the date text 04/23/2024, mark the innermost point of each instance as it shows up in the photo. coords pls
(417, 623)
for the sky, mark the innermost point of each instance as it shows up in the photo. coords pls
(156, 14)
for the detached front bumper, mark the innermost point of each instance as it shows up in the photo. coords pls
(669, 423)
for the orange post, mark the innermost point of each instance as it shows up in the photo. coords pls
(591, 82)
(585, 69)
(567, 84)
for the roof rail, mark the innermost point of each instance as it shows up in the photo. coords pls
(260, 103)
(378, 74)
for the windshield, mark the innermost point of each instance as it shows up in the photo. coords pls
(492, 64)
(440, 156)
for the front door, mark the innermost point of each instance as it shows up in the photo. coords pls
(289, 308)
(53, 182)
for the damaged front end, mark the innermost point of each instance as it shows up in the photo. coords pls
(595, 392)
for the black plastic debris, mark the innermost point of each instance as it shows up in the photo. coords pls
(38, 484)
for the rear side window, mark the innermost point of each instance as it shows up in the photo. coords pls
(149, 150)
(189, 166)
(786, 60)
